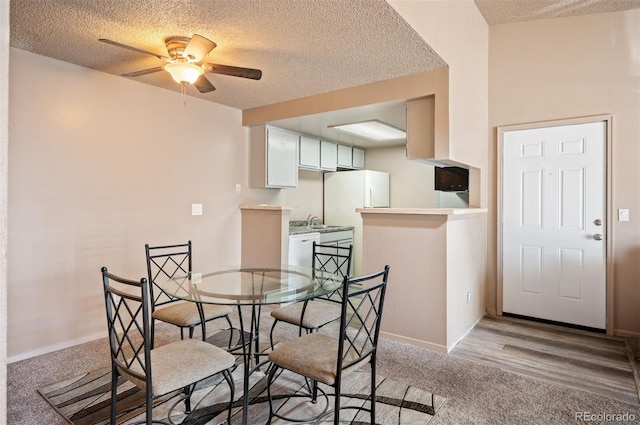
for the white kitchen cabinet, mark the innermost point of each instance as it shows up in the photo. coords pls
(357, 158)
(328, 156)
(273, 158)
(345, 155)
(309, 153)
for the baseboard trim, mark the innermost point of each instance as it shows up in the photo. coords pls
(626, 334)
(417, 342)
(52, 348)
(452, 346)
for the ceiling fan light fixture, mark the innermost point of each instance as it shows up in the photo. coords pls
(184, 72)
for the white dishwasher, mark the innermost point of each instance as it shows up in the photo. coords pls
(301, 248)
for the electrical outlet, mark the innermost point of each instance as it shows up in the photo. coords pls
(196, 209)
(468, 297)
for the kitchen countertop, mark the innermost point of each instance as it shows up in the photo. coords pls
(301, 227)
(423, 211)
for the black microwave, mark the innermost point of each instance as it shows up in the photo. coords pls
(451, 179)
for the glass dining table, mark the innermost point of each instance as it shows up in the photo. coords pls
(251, 288)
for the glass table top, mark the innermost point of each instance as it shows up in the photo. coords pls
(253, 285)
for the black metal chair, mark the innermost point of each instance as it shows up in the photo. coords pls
(176, 366)
(325, 358)
(311, 315)
(163, 263)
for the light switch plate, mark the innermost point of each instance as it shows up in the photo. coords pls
(623, 214)
(196, 209)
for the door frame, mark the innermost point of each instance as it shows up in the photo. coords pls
(610, 217)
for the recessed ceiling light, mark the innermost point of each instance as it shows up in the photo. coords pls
(372, 129)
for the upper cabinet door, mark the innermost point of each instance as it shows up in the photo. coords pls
(358, 158)
(273, 157)
(328, 156)
(282, 158)
(309, 153)
(345, 156)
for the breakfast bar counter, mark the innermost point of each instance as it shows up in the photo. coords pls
(436, 290)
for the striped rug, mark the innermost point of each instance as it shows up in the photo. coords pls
(85, 399)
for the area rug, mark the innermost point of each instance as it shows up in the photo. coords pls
(85, 400)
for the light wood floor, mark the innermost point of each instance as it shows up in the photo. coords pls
(588, 361)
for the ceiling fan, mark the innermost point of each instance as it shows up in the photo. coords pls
(185, 62)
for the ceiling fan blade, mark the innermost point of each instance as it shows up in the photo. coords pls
(203, 85)
(198, 48)
(142, 72)
(235, 71)
(135, 49)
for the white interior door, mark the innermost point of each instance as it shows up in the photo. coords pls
(553, 223)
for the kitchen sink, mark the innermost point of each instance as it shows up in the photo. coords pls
(302, 227)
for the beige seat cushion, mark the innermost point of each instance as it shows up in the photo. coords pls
(185, 313)
(180, 363)
(313, 355)
(317, 314)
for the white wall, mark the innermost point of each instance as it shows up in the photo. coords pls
(99, 166)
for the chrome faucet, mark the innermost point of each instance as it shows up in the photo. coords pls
(312, 220)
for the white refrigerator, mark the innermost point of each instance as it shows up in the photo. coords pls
(344, 191)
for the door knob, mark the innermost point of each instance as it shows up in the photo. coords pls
(597, 237)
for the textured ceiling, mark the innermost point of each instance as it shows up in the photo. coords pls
(302, 47)
(508, 11)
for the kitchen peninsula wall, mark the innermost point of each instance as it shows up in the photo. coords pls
(437, 279)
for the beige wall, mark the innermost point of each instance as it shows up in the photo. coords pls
(575, 67)
(459, 34)
(307, 197)
(99, 166)
(410, 182)
(4, 143)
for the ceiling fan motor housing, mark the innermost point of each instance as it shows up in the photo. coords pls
(176, 45)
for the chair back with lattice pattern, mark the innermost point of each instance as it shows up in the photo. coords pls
(360, 319)
(128, 321)
(336, 261)
(164, 263)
